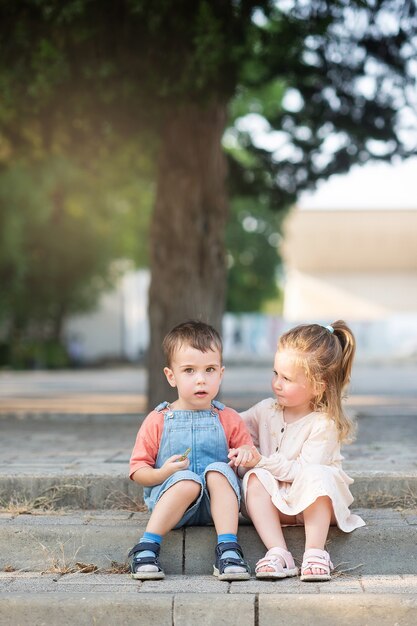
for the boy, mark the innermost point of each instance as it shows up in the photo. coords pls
(180, 456)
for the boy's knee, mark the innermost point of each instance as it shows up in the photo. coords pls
(217, 480)
(189, 488)
(213, 477)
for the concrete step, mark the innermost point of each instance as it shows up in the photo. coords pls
(102, 539)
(206, 602)
(371, 488)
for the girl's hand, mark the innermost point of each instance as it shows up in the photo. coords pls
(172, 464)
(242, 456)
(256, 457)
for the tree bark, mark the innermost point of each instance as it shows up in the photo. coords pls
(187, 232)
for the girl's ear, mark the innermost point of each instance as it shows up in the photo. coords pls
(319, 389)
(170, 376)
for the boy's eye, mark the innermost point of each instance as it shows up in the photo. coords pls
(188, 370)
(210, 369)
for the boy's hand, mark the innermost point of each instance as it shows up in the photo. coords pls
(175, 464)
(245, 456)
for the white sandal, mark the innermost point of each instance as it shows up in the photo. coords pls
(276, 559)
(316, 558)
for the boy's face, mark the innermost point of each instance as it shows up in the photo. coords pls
(197, 376)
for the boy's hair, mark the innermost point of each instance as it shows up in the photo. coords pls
(193, 333)
(326, 354)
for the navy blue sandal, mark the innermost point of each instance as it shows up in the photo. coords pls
(137, 561)
(222, 563)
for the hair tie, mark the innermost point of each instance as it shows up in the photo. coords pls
(329, 328)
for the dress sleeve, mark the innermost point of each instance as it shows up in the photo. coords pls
(234, 428)
(319, 449)
(147, 442)
(252, 418)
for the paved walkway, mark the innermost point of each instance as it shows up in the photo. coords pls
(62, 430)
(86, 421)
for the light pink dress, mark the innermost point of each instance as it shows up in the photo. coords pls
(301, 461)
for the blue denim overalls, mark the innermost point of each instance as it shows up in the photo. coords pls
(203, 433)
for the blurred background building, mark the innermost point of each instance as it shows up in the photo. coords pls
(358, 263)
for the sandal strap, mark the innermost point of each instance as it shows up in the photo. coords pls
(222, 563)
(152, 546)
(316, 558)
(277, 558)
(280, 554)
(138, 561)
(228, 545)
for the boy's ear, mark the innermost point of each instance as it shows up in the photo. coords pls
(170, 376)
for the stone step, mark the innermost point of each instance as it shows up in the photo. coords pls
(246, 604)
(102, 539)
(100, 490)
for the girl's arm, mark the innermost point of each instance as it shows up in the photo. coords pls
(253, 416)
(318, 449)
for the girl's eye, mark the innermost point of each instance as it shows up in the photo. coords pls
(189, 370)
(274, 373)
(210, 369)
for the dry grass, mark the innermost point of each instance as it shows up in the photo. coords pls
(120, 500)
(59, 561)
(339, 572)
(406, 499)
(63, 562)
(47, 501)
(116, 568)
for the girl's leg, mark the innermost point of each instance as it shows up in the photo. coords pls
(265, 516)
(317, 519)
(172, 505)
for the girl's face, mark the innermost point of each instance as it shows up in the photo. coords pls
(290, 384)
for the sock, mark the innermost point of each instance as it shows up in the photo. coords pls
(225, 538)
(150, 537)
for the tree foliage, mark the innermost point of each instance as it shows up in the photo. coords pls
(332, 82)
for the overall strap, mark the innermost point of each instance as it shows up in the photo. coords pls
(161, 407)
(218, 405)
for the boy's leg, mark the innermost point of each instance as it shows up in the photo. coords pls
(172, 505)
(224, 508)
(224, 504)
(168, 511)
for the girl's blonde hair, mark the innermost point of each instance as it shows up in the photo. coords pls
(326, 353)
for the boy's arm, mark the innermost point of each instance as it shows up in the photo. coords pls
(235, 430)
(145, 452)
(150, 476)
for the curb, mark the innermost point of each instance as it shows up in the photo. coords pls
(108, 609)
(371, 489)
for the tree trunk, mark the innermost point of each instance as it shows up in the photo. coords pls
(187, 233)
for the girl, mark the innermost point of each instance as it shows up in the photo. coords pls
(297, 477)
